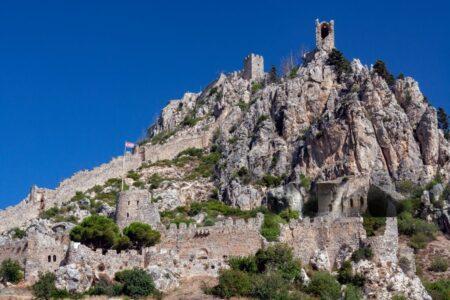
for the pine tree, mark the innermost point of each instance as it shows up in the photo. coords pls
(443, 122)
(380, 68)
(273, 77)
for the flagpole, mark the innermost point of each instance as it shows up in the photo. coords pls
(123, 164)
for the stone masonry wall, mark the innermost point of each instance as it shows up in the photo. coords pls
(322, 233)
(135, 206)
(385, 247)
(14, 249)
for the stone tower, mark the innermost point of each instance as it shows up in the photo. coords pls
(253, 67)
(135, 206)
(325, 35)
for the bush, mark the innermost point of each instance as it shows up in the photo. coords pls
(193, 152)
(270, 228)
(271, 181)
(44, 288)
(399, 297)
(161, 137)
(245, 263)
(256, 86)
(50, 213)
(141, 235)
(96, 232)
(419, 241)
(340, 63)
(278, 257)
(439, 290)
(289, 214)
(270, 285)
(380, 68)
(293, 72)
(353, 293)
(439, 264)
(325, 286)
(362, 253)
(18, 233)
(233, 283)
(345, 275)
(305, 182)
(133, 175)
(11, 271)
(105, 287)
(136, 283)
(190, 121)
(372, 224)
(122, 243)
(155, 180)
(404, 264)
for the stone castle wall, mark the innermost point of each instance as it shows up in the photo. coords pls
(385, 247)
(323, 233)
(14, 249)
(175, 145)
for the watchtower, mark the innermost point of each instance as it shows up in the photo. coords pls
(325, 35)
(135, 206)
(253, 67)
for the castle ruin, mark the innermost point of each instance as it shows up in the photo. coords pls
(253, 67)
(325, 35)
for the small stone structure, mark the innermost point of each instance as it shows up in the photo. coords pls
(253, 67)
(344, 196)
(136, 206)
(385, 247)
(325, 35)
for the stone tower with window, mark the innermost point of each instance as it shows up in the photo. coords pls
(135, 206)
(253, 67)
(325, 35)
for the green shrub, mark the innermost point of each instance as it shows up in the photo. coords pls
(44, 288)
(161, 137)
(405, 186)
(278, 257)
(439, 290)
(18, 233)
(256, 86)
(133, 175)
(244, 263)
(419, 241)
(96, 232)
(193, 152)
(305, 182)
(136, 283)
(271, 180)
(270, 285)
(261, 119)
(364, 252)
(409, 225)
(380, 68)
(190, 121)
(293, 72)
(353, 293)
(404, 264)
(233, 283)
(345, 275)
(399, 297)
(289, 214)
(325, 286)
(11, 271)
(155, 181)
(439, 264)
(340, 63)
(141, 235)
(105, 287)
(372, 224)
(270, 228)
(243, 105)
(50, 213)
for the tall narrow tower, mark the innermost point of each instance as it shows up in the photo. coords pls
(325, 35)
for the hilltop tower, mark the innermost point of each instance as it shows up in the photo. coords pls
(253, 67)
(325, 35)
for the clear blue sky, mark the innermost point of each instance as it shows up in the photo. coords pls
(77, 78)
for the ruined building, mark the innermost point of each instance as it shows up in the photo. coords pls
(325, 35)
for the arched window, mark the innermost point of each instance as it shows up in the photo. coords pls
(351, 203)
(54, 258)
(330, 207)
(49, 258)
(137, 202)
(361, 201)
(324, 30)
(128, 215)
(128, 202)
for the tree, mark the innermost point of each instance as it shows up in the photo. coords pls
(136, 283)
(273, 77)
(443, 121)
(44, 288)
(96, 232)
(141, 235)
(11, 271)
(340, 63)
(380, 68)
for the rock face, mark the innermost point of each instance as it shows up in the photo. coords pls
(317, 126)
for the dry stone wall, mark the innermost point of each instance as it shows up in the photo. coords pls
(385, 247)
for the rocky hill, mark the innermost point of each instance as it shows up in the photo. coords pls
(331, 139)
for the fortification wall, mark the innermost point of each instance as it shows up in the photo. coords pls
(229, 238)
(175, 145)
(30, 207)
(385, 247)
(324, 233)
